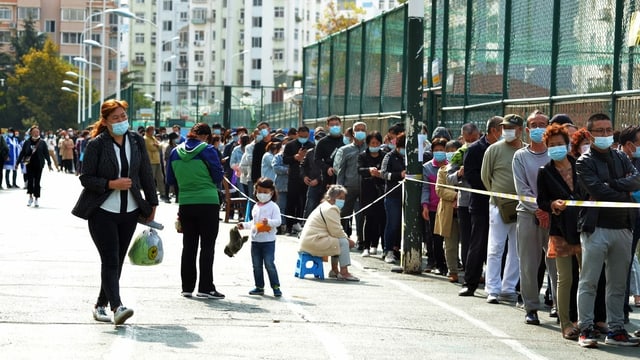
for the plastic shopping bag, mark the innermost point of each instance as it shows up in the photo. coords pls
(146, 248)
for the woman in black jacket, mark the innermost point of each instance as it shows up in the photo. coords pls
(371, 188)
(116, 169)
(393, 171)
(34, 153)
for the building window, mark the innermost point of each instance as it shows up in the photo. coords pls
(199, 15)
(256, 42)
(26, 12)
(70, 38)
(278, 11)
(5, 37)
(167, 25)
(140, 15)
(198, 76)
(167, 66)
(139, 1)
(198, 56)
(184, 16)
(138, 58)
(213, 56)
(296, 55)
(256, 21)
(213, 16)
(255, 83)
(198, 35)
(256, 64)
(295, 34)
(213, 35)
(50, 26)
(167, 5)
(257, 2)
(317, 17)
(224, 23)
(6, 14)
(212, 80)
(72, 14)
(278, 34)
(139, 38)
(278, 54)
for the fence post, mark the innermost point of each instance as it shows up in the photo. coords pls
(412, 229)
(226, 112)
(617, 51)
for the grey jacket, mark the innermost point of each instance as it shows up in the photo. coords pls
(345, 164)
(100, 166)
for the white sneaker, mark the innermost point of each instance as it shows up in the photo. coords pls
(100, 314)
(365, 253)
(296, 227)
(35, 203)
(373, 251)
(121, 315)
(30, 201)
(390, 258)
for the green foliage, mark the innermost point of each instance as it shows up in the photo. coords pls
(34, 94)
(27, 39)
(334, 21)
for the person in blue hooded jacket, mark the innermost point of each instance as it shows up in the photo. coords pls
(195, 170)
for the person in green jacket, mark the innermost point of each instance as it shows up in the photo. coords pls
(194, 169)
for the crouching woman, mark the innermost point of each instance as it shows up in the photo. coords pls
(323, 235)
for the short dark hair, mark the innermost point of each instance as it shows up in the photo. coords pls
(400, 140)
(596, 117)
(373, 135)
(470, 128)
(216, 126)
(266, 183)
(263, 123)
(629, 134)
(333, 117)
(303, 129)
(199, 129)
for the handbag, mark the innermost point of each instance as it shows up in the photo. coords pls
(146, 249)
(507, 209)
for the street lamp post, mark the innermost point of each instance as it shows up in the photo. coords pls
(80, 87)
(68, 89)
(89, 93)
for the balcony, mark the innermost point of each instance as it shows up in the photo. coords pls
(138, 62)
(198, 21)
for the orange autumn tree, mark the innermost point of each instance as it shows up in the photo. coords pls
(334, 20)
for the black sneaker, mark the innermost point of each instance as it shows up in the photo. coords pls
(257, 291)
(532, 318)
(210, 295)
(620, 338)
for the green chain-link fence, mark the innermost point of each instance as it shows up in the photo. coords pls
(483, 58)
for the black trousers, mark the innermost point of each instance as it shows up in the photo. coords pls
(477, 254)
(296, 200)
(34, 174)
(111, 233)
(374, 223)
(200, 224)
(464, 226)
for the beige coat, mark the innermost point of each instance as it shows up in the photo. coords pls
(444, 214)
(66, 152)
(318, 238)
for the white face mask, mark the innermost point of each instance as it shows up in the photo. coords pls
(584, 148)
(263, 197)
(509, 134)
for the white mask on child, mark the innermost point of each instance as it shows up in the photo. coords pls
(263, 197)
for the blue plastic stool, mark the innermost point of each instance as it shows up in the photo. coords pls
(316, 267)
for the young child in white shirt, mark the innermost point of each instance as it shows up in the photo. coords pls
(265, 221)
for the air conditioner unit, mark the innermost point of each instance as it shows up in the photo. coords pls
(201, 63)
(241, 21)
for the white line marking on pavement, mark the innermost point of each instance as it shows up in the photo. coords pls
(334, 347)
(502, 336)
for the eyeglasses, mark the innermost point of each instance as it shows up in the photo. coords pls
(602, 131)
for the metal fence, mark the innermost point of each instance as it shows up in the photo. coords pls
(185, 105)
(483, 58)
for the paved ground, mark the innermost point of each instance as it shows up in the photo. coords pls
(49, 276)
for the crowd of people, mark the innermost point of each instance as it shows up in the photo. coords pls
(322, 183)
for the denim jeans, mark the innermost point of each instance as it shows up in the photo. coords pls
(344, 258)
(264, 253)
(314, 195)
(393, 208)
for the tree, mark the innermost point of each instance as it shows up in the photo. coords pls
(27, 39)
(34, 94)
(334, 21)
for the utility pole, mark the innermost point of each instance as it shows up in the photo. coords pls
(412, 229)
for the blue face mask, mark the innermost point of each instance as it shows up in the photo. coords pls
(391, 147)
(557, 153)
(120, 128)
(340, 203)
(335, 130)
(264, 133)
(360, 135)
(636, 154)
(259, 138)
(375, 149)
(402, 151)
(234, 139)
(303, 140)
(603, 142)
(450, 155)
(216, 131)
(439, 156)
(536, 134)
(346, 140)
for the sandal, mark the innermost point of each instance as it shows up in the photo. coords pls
(347, 277)
(571, 333)
(636, 300)
(333, 274)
